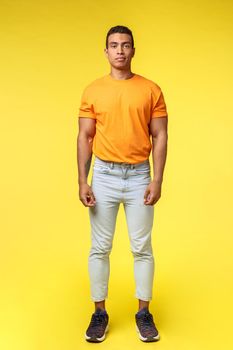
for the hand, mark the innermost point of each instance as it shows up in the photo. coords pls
(86, 195)
(152, 193)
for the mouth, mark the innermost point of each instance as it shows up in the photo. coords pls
(120, 59)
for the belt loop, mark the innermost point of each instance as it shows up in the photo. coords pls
(111, 165)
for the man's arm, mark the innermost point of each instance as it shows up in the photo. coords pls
(87, 129)
(158, 131)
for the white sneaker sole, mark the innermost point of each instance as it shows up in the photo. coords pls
(147, 339)
(95, 340)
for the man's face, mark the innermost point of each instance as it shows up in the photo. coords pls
(120, 51)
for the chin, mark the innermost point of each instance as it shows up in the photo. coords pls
(120, 66)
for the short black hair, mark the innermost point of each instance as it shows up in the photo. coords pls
(119, 29)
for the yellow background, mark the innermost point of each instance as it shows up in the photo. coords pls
(50, 50)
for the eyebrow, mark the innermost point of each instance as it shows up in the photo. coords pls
(124, 42)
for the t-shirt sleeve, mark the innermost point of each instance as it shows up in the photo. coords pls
(86, 109)
(159, 108)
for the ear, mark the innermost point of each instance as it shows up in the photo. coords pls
(106, 52)
(133, 51)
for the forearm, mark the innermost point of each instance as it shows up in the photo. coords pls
(84, 156)
(159, 154)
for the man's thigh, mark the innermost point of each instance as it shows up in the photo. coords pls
(139, 216)
(103, 215)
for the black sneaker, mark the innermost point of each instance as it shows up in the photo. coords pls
(98, 326)
(145, 326)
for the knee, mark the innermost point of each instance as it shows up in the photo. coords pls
(102, 252)
(142, 251)
(145, 256)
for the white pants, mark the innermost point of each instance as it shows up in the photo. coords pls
(114, 183)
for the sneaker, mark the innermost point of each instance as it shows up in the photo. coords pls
(145, 326)
(98, 326)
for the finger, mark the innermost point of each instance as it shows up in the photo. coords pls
(90, 193)
(147, 198)
(92, 196)
(91, 199)
(86, 200)
(147, 192)
(155, 201)
(150, 200)
(89, 204)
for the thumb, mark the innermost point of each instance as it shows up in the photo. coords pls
(146, 193)
(91, 194)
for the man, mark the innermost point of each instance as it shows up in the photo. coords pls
(119, 115)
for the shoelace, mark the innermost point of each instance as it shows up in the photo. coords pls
(147, 321)
(97, 320)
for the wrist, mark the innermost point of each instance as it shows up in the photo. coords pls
(157, 181)
(82, 182)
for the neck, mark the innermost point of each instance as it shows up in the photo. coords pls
(121, 74)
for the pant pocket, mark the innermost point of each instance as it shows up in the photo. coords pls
(101, 169)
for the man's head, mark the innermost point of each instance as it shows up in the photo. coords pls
(120, 47)
(121, 30)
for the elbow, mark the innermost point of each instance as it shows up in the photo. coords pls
(86, 138)
(90, 139)
(162, 135)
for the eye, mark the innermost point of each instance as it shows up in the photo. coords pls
(127, 46)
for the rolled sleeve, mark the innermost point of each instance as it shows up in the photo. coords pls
(159, 106)
(86, 109)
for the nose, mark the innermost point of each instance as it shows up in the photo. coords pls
(120, 49)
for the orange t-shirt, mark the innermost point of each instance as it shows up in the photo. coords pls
(123, 110)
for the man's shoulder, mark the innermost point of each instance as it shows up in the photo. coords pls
(150, 83)
(95, 83)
